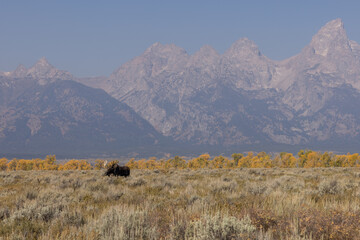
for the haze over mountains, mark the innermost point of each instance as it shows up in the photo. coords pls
(239, 99)
(44, 112)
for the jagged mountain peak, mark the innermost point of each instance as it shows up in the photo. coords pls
(154, 47)
(41, 65)
(242, 48)
(42, 69)
(165, 49)
(333, 25)
(330, 38)
(206, 55)
(21, 67)
(43, 62)
(20, 71)
(207, 50)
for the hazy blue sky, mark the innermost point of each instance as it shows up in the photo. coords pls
(91, 38)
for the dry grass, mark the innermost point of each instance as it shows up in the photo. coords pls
(319, 203)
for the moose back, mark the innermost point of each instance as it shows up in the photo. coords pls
(117, 170)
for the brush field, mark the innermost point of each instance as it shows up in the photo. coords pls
(297, 203)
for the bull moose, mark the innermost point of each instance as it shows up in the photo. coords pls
(117, 170)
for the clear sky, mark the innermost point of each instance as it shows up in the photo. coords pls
(93, 38)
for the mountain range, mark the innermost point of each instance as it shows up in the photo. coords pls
(166, 98)
(44, 111)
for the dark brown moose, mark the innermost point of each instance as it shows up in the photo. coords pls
(117, 170)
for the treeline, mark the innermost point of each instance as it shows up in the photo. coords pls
(304, 159)
(49, 163)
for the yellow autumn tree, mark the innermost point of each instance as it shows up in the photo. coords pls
(161, 163)
(313, 160)
(230, 163)
(76, 165)
(236, 157)
(11, 166)
(38, 164)
(326, 159)
(50, 163)
(261, 160)
(200, 162)
(3, 164)
(245, 162)
(176, 162)
(151, 163)
(357, 160)
(69, 165)
(141, 164)
(303, 157)
(219, 162)
(24, 165)
(131, 163)
(286, 160)
(99, 164)
(350, 160)
(84, 165)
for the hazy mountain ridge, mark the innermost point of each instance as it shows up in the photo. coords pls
(239, 98)
(66, 117)
(164, 84)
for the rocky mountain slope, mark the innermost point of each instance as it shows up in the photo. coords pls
(243, 97)
(226, 101)
(41, 112)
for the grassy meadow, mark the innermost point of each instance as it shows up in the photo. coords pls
(242, 203)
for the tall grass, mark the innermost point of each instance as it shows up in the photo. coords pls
(318, 203)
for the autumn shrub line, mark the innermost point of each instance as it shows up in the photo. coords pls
(49, 163)
(304, 159)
